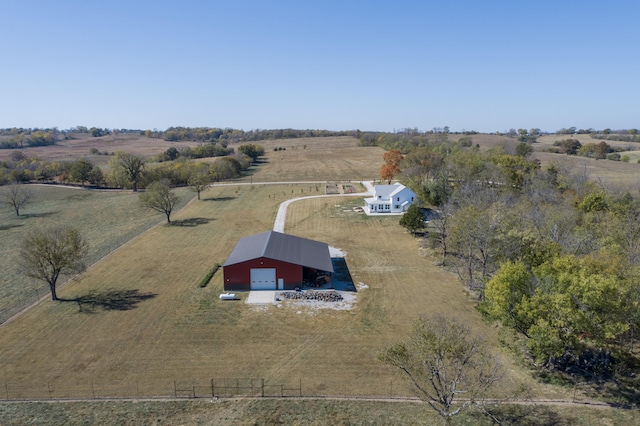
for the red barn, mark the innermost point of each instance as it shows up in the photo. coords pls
(275, 261)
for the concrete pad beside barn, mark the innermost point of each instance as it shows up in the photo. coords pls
(261, 297)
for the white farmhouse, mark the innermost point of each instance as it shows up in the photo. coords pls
(389, 199)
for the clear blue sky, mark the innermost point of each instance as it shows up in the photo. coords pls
(338, 65)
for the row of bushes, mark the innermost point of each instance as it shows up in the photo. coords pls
(205, 280)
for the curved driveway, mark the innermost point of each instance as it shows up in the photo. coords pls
(278, 225)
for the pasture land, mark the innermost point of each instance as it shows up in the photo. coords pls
(319, 159)
(299, 412)
(107, 219)
(151, 324)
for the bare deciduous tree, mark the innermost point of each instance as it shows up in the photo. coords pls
(48, 253)
(16, 196)
(446, 364)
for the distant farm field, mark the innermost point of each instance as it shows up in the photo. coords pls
(80, 146)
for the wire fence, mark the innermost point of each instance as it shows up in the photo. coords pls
(219, 387)
(27, 299)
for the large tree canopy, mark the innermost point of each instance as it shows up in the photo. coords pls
(48, 253)
(159, 197)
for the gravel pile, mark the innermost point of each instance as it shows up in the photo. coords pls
(321, 296)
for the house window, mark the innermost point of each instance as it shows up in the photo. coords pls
(397, 206)
(412, 199)
(379, 197)
(398, 199)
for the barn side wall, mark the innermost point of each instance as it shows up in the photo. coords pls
(238, 277)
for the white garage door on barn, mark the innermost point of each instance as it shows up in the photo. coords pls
(263, 278)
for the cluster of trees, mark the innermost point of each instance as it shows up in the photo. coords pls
(22, 169)
(20, 138)
(131, 171)
(547, 252)
(409, 139)
(599, 151)
(207, 150)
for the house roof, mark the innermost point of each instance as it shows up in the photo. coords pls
(388, 190)
(283, 247)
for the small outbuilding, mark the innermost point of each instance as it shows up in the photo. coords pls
(276, 261)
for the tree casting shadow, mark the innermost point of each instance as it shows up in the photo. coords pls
(110, 300)
(194, 221)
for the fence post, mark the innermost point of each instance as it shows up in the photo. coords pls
(300, 387)
(213, 392)
(262, 388)
(6, 388)
(175, 389)
(50, 391)
(391, 389)
(93, 391)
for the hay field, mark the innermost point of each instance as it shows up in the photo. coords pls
(318, 159)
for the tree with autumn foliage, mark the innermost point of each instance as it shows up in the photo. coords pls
(391, 165)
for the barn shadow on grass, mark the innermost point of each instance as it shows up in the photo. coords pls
(110, 300)
(194, 221)
(218, 198)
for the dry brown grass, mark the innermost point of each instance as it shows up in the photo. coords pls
(319, 159)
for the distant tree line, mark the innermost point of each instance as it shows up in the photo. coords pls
(21, 138)
(228, 135)
(406, 140)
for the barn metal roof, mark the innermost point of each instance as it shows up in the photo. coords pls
(283, 247)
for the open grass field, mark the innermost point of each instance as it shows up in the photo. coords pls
(325, 159)
(106, 219)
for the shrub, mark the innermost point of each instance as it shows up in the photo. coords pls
(205, 280)
(613, 156)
